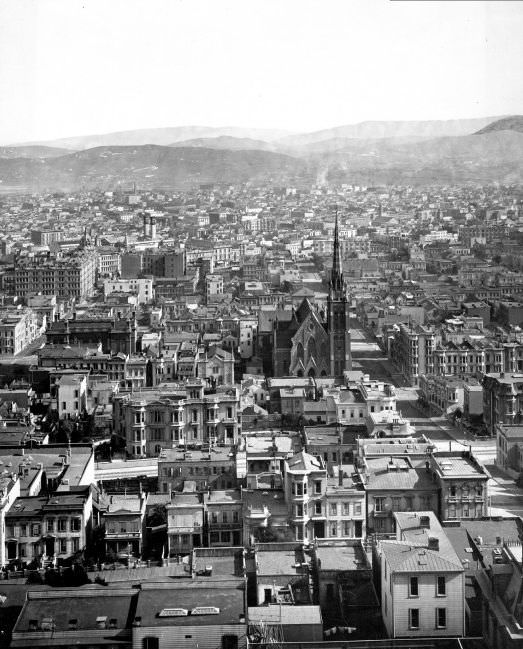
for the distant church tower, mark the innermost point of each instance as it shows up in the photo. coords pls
(338, 309)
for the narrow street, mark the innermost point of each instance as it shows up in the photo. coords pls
(506, 499)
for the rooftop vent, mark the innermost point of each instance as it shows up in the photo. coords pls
(173, 612)
(205, 610)
(137, 620)
(47, 624)
(33, 625)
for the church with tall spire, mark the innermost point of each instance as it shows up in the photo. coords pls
(305, 341)
(338, 314)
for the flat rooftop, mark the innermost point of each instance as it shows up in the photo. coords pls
(84, 606)
(219, 603)
(284, 561)
(342, 557)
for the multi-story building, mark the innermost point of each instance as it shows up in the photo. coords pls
(124, 521)
(499, 583)
(462, 484)
(109, 262)
(411, 350)
(71, 395)
(224, 518)
(71, 276)
(9, 492)
(67, 617)
(442, 392)
(305, 484)
(142, 288)
(212, 469)
(343, 574)
(215, 366)
(502, 399)
(395, 484)
(45, 237)
(468, 357)
(203, 613)
(183, 414)
(48, 528)
(422, 580)
(185, 523)
(115, 335)
(213, 288)
(128, 371)
(45, 306)
(509, 446)
(18, 329)
(343, 507)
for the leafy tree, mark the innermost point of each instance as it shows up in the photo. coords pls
(157, 516)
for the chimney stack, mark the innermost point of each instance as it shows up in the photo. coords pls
(424, 522)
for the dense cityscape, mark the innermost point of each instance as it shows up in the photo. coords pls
(255, 415)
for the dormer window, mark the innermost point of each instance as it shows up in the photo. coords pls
(73, 624)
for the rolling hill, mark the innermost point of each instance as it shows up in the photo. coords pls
(150, 166)
(514, 123)
(226, 142)
(29, 151)
(495, 154)
(491, 157)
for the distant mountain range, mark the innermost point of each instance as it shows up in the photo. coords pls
(378, 130)
(162, 136)
(457, 151)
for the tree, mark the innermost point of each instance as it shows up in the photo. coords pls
(157, 516)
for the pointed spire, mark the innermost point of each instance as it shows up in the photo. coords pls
(337, 270)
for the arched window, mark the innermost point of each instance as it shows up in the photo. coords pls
(311, 348)
(300, 352)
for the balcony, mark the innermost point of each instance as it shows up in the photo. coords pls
(213, 527)
(123, 535)
(299, 498)
(295, 518)
(382, 513)
(258, 514)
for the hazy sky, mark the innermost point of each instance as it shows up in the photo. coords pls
(73, 68)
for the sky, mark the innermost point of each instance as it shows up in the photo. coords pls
(71, 67)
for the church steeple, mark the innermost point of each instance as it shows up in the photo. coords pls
(338, 314)
(336, 283)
